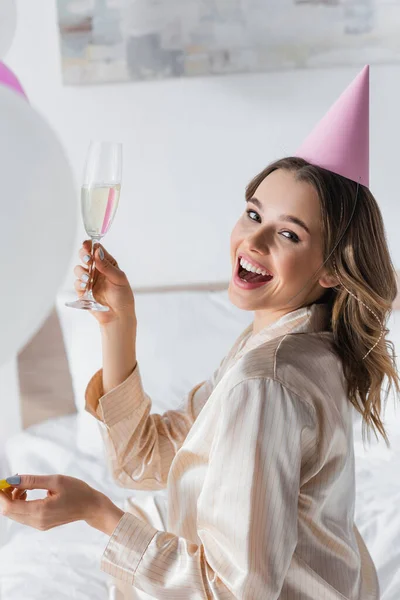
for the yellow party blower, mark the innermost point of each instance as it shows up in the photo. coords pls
(3, 484)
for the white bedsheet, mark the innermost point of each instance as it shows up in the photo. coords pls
(65, 562)
(62, 563)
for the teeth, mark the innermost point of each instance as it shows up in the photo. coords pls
(249, 267)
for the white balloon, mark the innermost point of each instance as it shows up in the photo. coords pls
(38, 221)
(8, 24)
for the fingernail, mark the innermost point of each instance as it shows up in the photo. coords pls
(86, 258)
(101, 253)
(82, 286)
(85, 277)
(14, 480)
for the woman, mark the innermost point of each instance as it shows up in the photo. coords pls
(258, 462)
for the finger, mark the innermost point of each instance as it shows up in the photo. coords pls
(77, 285)
(40, 482)
(20, 510)
(79, 271)
(24, 511)
(5, 502)
(14, 493)
(107, 255)
(19, 494)
(109, 268)
(86, 247)
(8, 492)
(86, 250)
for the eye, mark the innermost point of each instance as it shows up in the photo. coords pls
(293, 237)
(251, 211)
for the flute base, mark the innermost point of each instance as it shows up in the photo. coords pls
(87, 302)
(87, 305)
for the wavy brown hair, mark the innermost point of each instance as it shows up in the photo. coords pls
(364, 265)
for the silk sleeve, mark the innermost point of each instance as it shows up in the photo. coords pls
(140, 446)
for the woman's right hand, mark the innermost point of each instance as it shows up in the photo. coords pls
(110, 286)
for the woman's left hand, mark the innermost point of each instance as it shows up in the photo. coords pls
(68, 500)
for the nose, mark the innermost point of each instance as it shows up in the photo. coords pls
(258, 242)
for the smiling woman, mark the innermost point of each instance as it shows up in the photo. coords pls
(309, 265)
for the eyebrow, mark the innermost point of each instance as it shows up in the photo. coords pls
(289, 218)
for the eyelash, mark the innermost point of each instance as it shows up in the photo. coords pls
(295, 239)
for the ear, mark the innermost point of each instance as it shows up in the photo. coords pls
(328, 281)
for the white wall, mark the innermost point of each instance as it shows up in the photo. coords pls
(11, 418)
(192, 145)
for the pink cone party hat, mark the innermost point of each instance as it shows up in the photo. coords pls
(340, 141)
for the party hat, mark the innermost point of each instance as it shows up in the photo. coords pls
(340, 141)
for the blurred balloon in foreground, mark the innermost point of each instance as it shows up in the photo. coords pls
(8, 25)
(38, 217)
(10, 80)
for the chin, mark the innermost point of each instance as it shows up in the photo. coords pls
(239, 300)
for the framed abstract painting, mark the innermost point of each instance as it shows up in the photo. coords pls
(131, 40)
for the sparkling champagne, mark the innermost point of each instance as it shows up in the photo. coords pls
(101, 187)
(99, 204)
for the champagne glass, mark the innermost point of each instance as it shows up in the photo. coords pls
(100, 193)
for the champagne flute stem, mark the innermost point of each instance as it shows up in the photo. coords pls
(91, 268)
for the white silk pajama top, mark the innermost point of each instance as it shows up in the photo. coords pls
(258, 466)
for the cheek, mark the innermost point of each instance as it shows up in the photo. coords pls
(296, 265)
(292, 265)
(235, 238)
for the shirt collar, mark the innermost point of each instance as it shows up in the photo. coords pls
(307, 319)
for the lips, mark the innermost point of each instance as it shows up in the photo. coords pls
(253, 262)
(249, 285)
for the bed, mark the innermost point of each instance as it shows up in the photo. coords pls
(60, 437)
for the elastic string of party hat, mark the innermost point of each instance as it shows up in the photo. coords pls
(358, 300)
(370, 310)
(337, 275)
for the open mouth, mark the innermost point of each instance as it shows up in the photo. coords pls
(250, 277)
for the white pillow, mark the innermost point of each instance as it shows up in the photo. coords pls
(181, 339)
